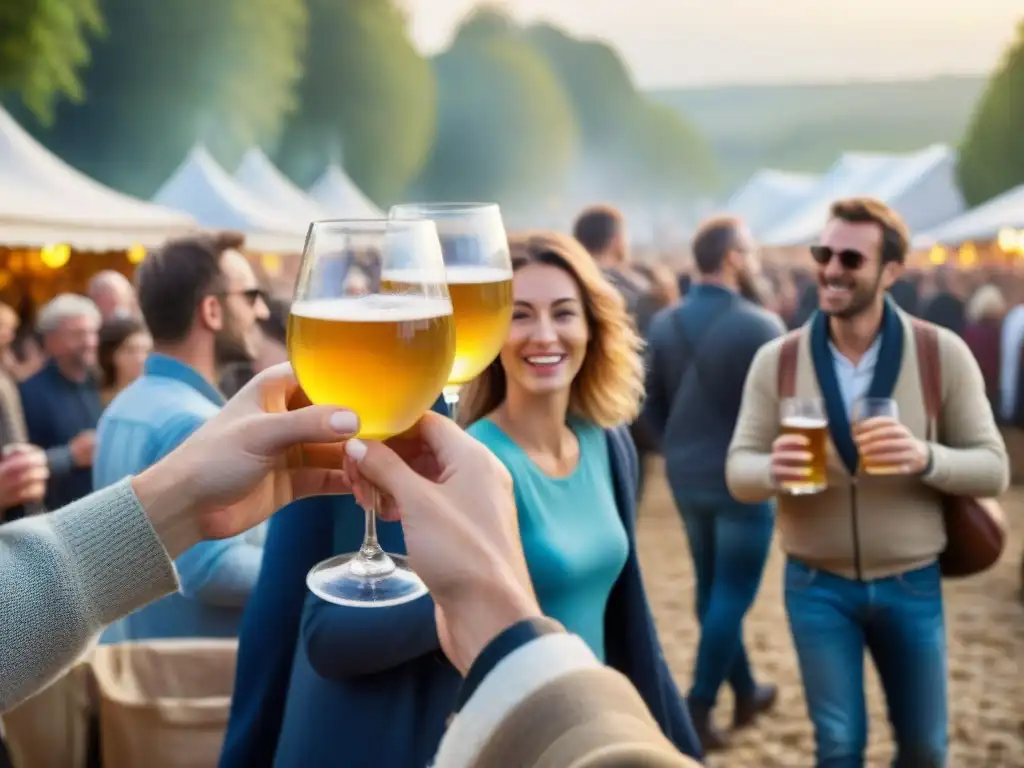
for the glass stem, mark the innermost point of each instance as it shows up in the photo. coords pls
(372, 560)
(451, 399)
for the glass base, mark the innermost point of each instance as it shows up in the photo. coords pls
(354, 581)
(803, 489)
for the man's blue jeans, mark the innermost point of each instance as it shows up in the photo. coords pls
(729, 543)
(899, 621)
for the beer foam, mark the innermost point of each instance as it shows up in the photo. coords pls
(374, 308)
(459, 275)
(804, 422)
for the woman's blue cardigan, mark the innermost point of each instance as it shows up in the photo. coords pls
(322, 685)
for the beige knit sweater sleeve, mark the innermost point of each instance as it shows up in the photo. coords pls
(969, 458)
(64, 576)
(748, 464)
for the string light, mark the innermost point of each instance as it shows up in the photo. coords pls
(55, 256)
(136, 254)
(937, 255)
(968, 255)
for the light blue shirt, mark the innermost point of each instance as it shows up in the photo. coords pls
(573, 536)
(1009, 370)
(855, 379)
(145, 422)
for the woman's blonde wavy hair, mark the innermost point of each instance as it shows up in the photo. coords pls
(610, 384)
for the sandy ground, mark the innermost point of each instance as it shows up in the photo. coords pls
(985, 625)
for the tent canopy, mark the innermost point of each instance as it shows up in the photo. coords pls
(979, 224)
(44, 200)
(264, 181)
(767, 194)
(920, 186)
(341, 198)
(202, 188)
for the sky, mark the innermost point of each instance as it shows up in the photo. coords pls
(711, 42)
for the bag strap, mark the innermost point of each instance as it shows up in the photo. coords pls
(787, 364)
(929, 368)
(691, 350)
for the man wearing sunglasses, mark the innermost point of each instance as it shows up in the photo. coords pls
(862, 571)
(200, 300)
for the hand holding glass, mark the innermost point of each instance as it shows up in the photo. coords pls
(806, 417)
(869, 415)
(478, 270)
(385, 353)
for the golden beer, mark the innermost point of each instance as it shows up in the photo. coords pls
(816, 432)
(384, 357)
(482, 307)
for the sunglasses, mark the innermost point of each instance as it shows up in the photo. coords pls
(848, 257)
(251, 295)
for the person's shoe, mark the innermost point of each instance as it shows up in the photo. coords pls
(749, 707)
(711, 739)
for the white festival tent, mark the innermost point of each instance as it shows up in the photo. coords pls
(921, 186)
(981, 224)
(263, 180)
(767, 195)
(44, 201)
(341, 198)
(203, 189)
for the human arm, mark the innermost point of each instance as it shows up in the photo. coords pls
(970, 458)
(748, 466)
(543, 694)
(344, 642)
(221, 573)
(657, 396)
(66, 575)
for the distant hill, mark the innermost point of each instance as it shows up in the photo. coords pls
(805, 127)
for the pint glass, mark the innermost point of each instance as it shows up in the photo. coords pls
(806, 417)
(875, 408)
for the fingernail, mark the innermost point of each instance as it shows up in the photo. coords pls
(344, 422)
(356, 449)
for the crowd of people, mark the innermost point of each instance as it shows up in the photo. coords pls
(125, 381)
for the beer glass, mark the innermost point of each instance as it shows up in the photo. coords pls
(478, 269)
(807, 417)
(875, 408)
(382, 352)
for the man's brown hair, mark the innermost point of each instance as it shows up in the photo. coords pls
(712, 241)
(869, 210)
(597, 226)
(173, 280)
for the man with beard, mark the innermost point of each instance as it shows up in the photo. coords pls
(862, 570)
(200, 300)
(699, 354)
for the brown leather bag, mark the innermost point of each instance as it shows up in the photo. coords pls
(975, 528)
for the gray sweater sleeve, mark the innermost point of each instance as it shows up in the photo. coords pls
(64, 576)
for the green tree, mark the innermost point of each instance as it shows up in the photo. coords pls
(992, 153)
(505, 129)
(366, 93)
(631, 147)
(43, 44)
(171, 72)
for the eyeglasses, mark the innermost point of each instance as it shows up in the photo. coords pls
(848, 257)
(251, 295)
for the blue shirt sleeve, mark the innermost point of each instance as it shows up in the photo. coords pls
(346, 642)
(223, 572)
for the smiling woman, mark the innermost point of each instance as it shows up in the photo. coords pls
(551, 408)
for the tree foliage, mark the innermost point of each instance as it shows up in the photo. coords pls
(367, 94)
(172, 72)
(506, 129)
(992, 153)
(43, 44)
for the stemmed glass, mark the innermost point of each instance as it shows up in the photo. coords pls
(478, 269)
(384, 351)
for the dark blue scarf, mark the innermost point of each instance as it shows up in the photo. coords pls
(887, 370)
